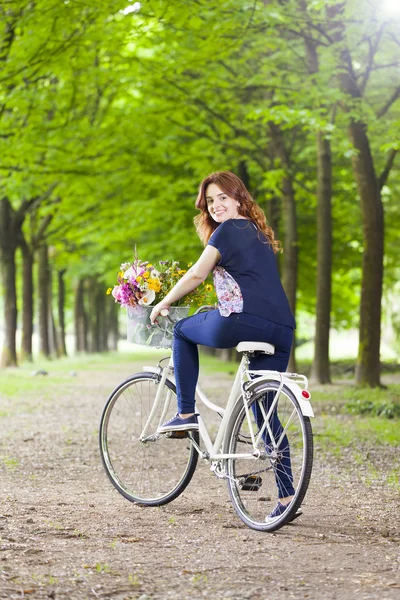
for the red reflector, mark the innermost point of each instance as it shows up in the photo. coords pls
(306, 394)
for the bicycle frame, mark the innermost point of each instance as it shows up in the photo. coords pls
(243, 376)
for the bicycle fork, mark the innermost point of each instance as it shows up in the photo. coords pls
(144, 436)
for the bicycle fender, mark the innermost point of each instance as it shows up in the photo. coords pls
(305, 404)
(156, 371)
(151, 370)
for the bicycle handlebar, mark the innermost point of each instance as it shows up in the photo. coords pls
(165, 312)
(205, 308)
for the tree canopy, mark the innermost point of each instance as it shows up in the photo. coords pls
(112, 112)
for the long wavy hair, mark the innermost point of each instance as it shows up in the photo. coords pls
(233, 187)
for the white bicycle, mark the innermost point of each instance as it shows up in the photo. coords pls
(264, 441)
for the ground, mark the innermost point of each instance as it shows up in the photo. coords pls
(66, 533)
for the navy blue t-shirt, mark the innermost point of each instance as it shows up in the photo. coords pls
(247, 278)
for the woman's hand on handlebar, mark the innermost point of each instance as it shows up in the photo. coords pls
(157, 310)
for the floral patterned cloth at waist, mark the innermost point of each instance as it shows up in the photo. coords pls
(229, 294)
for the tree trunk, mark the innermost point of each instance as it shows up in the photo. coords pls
(113, 328)
(369, 189)
(9, 352)
(243, 174)
(274, 215)
(290, 258)
(8, 245)
(102, 317)
(43, 300)
(61, 312)
(27, 302)
(53, 333)
(91, 300)
(320, 367)
(368, 361)
(80, 320)
(97, 318)
(207, 350)
(11, 222)
(55, 338)
(225, 354)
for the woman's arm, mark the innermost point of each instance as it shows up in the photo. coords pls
(195, 275)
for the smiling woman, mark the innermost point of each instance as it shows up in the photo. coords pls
(240, 250)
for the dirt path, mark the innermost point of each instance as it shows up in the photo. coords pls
(65, 533)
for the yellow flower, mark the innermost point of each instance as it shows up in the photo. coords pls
(190, 264)
(146, 274)
(154, 284)
(209, 287)
(109, 290)
(139, 278)
(181, 272)
(120, 273)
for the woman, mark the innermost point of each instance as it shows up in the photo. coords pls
(240, 249)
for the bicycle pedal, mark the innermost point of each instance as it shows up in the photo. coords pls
(177, 435)
(251, 483)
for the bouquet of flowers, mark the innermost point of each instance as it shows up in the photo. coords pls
(141, 285)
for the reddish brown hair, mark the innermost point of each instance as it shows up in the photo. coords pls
(233, 187)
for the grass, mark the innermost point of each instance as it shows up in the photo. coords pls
(376, 402)
(367, 447)
(21, 380)
(333, 426)
(102, 568)
(13, 384)
(344, 392)
(9, 462)
(347, 398)
(349, 415)
(338, 432)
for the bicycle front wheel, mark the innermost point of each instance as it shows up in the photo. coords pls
(149, 470)
(283, 466)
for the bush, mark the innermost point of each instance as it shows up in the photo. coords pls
(379, 403)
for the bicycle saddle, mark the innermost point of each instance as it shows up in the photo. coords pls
(256, 347)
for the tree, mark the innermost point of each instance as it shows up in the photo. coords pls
(117, 115)
(369, 185)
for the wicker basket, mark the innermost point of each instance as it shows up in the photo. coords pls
(141, 331)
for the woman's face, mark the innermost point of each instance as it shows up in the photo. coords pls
(220, 206)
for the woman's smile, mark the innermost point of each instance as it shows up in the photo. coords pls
(221, 206)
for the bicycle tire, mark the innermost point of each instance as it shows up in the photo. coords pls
(149, 473)
(252, 484)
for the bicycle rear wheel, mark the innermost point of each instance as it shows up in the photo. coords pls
(255, 485)
(153, 471)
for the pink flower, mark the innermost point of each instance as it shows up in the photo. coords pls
(116, 292)
(124, 294)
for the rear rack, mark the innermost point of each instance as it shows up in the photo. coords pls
(295, 377)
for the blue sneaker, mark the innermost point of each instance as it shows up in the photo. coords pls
(178, 424)
(279, 510)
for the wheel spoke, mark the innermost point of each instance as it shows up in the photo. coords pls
(151, 473)
(283, 467)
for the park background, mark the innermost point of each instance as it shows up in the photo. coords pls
(111, 113)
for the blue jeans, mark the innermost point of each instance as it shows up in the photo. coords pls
(211, 329)
(282, 467)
